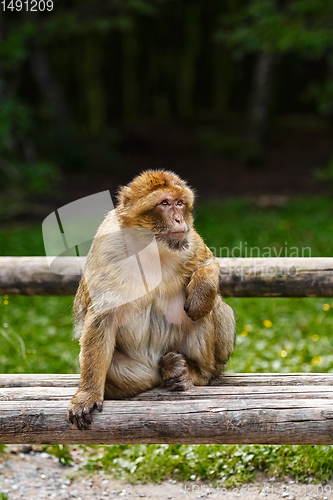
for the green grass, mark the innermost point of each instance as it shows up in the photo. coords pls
(36, 335)
(273, 335)
(229, 464)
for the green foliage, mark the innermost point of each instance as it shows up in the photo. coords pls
(61, 451)
(302, 26)
(15, 122)
(300, 223)
(13, 49)
(36, 335)
(39, 178)
(24, 240)
(30, 178)
(322, 95)
(228, 464)
(211, 141)
(297, 338)
(325, 174)
(87, 20)
(21, 181)
(157, 462)
(3, 496)
(23, 184)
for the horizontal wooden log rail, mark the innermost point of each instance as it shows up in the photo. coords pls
(240, 277)
(263, 408)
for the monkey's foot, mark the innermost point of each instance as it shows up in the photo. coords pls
(175, 372)
(218, 380)
(81, 406)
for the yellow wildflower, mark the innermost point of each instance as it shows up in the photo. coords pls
(317, 360)
(267, 323)
(315, 338)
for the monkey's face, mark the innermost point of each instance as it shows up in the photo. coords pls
(160, 202)
(173, 220)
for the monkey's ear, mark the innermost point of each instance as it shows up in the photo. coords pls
(124, 195)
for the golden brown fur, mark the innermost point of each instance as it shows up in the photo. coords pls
(179, 334)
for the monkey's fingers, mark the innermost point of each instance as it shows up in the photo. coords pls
(84, 418)
(83, 421)
(196, 311)
(190, 310)
(177, 384)
(99, 405)
(76, 418)
(86, 415)
(80, 415)
(70, 416)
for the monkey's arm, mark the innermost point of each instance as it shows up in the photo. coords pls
(97, 348)
(202, 289)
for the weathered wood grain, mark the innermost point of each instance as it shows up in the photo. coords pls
(245, 409)
(196, 421)
(32, 276)
(236, 379)
(39, 380)
(277, 277)
(239, 277)
(225, 392)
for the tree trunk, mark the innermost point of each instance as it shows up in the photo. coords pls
(53, 97)
(259, 101)
(330, 79)
(1, 39)
(187, 58)
(49, 88)
(131, 90)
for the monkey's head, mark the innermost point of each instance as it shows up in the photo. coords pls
(161, 202)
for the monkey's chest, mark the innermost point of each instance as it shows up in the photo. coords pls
(172, 308)
(163, 323)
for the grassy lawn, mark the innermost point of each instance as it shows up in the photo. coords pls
(273, 335)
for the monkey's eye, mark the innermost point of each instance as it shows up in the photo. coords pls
(164, 202)
(179, 203)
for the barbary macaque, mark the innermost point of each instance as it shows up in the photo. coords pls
(178, 333)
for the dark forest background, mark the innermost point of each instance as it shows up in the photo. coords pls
(234, 95)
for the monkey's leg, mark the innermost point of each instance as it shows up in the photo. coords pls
(97, 346)
(205, 352)
(127, 377)
(201, 290)
(225, 334)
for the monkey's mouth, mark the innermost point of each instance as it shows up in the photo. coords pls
(177, 234)
(175, 239)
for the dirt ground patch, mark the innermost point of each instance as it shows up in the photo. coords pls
(39, 476)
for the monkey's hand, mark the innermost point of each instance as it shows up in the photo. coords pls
(200, 300)
(81, 406)
(201, 291)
